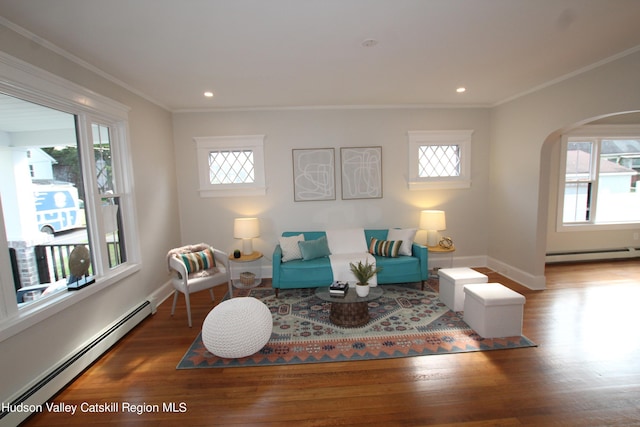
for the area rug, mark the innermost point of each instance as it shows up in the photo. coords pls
(406, 321)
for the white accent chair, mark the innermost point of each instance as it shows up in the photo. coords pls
(198, 281)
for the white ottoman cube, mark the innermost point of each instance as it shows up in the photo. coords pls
(493, 310)
(452, 281)
(238, 327)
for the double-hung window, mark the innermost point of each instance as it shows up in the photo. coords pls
(599, 176)
(439, 159)
(231, 165)
(65, 182)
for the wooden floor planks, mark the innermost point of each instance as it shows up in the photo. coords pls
(585, 371)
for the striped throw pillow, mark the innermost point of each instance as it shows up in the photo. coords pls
(386, 248)
(197, 261)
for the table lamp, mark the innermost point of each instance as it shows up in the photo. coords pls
(246, 229)
(432, 221)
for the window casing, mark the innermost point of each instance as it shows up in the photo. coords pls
(439, 159)
(231, 165)
(92, 112)
(598, 179)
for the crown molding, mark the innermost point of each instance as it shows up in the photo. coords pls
(76, 60)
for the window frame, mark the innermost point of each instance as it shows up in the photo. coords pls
(205, 145)
(595, 134)
(417, 139)
(32, 84)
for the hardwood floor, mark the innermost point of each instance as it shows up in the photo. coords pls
(584, 372)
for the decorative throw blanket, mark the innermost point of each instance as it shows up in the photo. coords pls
(346, 246)
(342, 270)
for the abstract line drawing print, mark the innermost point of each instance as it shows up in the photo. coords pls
(313, 174)
(361, 172)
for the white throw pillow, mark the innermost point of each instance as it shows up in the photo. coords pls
(347, 241)
(407, 235)
(290, 248)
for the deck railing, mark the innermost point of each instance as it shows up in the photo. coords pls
(53, 260)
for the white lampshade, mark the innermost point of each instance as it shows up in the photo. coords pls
(432, 221)
(246, 229)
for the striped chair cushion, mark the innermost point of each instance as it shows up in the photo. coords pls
(197, 261)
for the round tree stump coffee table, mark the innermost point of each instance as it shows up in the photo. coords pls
(350, 311)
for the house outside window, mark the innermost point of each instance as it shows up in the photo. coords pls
(600, 170)
(439, 159)
(231, 165)
(67, 183)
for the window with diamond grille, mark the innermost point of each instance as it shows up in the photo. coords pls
(439, 159)
(231, 167)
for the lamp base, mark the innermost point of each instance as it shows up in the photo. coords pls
(247, 246)
(432, 238)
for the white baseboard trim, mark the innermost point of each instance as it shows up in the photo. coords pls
(449, 261)
(528, 280)
(267, 270)
(160, 295)
(593, 255)
(32, 397)
(522, 277)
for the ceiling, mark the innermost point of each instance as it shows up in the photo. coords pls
(293, 53)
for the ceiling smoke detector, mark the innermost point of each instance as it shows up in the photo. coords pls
(369, 43)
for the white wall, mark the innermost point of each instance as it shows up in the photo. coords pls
(211, 219)
(523, 144)
(30, 353)
(502, 217)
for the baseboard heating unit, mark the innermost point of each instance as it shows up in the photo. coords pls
(592, 255)
(33, 398)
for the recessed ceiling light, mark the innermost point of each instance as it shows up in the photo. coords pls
(461, 89)
(369, 43)
(208, 94)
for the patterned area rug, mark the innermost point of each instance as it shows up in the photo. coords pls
(405, 321)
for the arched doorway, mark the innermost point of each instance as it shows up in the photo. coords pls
(557, 243)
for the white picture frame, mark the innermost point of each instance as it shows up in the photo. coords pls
(361, 172)
(314, 174)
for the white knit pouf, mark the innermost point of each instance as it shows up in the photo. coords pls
(238, 327)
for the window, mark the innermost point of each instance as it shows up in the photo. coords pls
(231, 165)
(599, 178)
(439, 159)
(65, 182)
(111, 193)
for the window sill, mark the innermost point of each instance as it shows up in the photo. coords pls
(597, 227)
(38, 311)
(439, 185)
(233, 192)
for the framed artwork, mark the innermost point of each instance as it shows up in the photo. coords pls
(361, 172)
(314, 174)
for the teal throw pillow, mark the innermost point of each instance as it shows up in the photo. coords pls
(312, 249)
